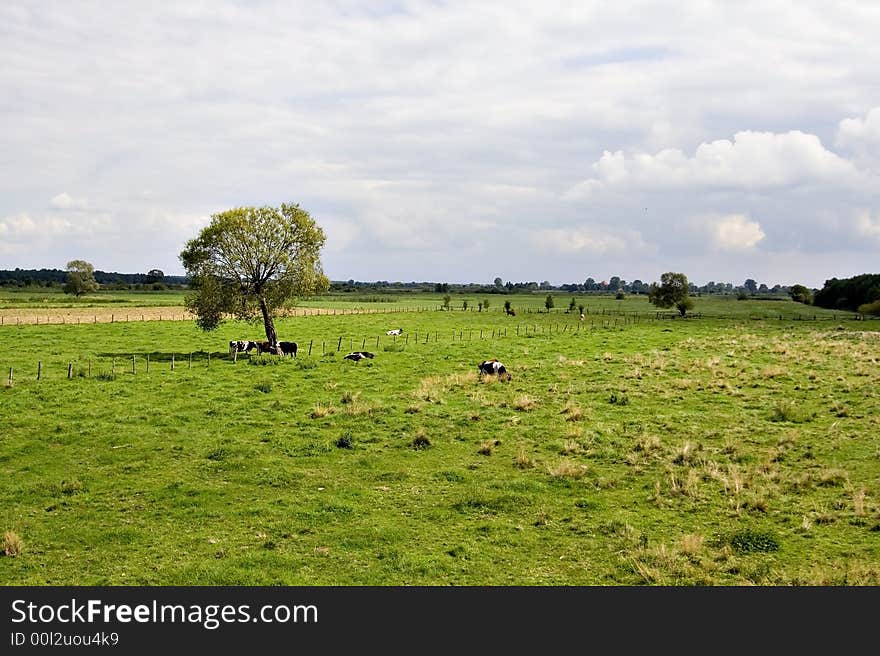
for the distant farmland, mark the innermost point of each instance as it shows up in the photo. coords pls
(733, 449)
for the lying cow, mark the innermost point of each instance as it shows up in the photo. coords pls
(357, 356)
(288, 348)
(241, 346)
(396, 331)
(493, 368)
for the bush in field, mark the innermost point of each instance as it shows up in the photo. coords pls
(751, 540)
(12, 544)
(800, 294)
(870, 308)
(672, 291)
(548, 302)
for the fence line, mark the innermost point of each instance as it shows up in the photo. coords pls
(420, 337)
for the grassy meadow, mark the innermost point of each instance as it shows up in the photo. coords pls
(624, 451)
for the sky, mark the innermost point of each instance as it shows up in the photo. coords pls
(450, 141)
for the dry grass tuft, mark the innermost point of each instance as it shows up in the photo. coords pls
(12, 544)
(522, 460)
(320, 410)
(572, 411)
(568, 469)
(524, 403)
(487, 447)
(691, 544)
(772, 371)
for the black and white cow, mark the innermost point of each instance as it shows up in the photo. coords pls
(357, 356)
(493, 368)
(288, 348)
(396, 331)
(241, 346)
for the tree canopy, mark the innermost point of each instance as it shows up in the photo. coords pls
(249, 262)
(672, 291)
(80, 278)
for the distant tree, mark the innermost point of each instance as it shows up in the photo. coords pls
(498, 282)
(589, 285)
(80, 278)
(548, 302)
(572, 305)
(507, 306)
(620, 295)
(480, 306)
(486, 303)
(751, 286)
(614, 283)
(249, 262)
(154, 275)
(848, 293)
(672, 291)
(446, 301)
(800, 294)
(581, 308)
(464, 305)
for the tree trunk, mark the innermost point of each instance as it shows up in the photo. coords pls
(269, 324)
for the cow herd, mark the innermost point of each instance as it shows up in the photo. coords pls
(485, 368)
(246, 346)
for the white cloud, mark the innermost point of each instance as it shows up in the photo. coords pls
(587, 241)
(753, 160)
(65, 201)
(860, 131)
(736, 232)
(868, 226)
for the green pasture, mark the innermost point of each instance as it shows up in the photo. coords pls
(624, 451)
(594, 303)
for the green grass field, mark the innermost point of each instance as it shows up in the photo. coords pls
(623, 452)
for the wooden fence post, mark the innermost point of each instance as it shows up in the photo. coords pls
(148, 363)
(10, 376)
(133, 367)
(39, 370)
(209, 360)
(90, 366)
(339, 343)
(113, 367)
(364, 344)
(172, 362)
(310, 347)
(377, 341)
(190, 361)
(69, 370)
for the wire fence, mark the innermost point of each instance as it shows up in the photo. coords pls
(140, 363)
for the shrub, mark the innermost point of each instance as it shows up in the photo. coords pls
(345, 442)
(265, 388)
(618, 399)
(751, 540)
(870, 308)
(421, 441)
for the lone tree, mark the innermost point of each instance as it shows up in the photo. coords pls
(800, 294)
(80, 278)
(548, 302)
(249, 262)
(672, 291)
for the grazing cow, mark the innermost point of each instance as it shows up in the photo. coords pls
(396, 331)
(510, 312)
(241, 346)
(493, 368)
(288, 348)
(266, 347)
(357, 356)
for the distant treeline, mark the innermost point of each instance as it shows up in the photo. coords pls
(857, 294)
(112, 280)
